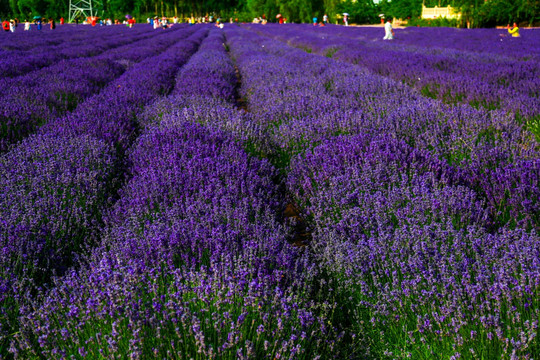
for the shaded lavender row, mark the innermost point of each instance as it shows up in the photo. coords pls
(37, 243)
(418, 273)
(449, 75)
(40, 96)
(194, 241)
(24, 52)
(310, 98)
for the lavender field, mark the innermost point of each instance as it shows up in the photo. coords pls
(269, 192)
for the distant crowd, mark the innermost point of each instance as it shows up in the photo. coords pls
(38, 22)
(12, 25)
(156, 22)
(164, 23)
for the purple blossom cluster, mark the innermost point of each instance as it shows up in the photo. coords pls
(415, 253)
(38, 175)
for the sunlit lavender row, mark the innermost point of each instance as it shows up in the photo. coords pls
(269, 192)
(504, 75)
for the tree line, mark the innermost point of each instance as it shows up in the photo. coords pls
(477, 13)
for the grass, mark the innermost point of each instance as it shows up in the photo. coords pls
(222, 312)
(533, 125)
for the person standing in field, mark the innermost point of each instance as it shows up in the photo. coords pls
(325, 19)
(61, 21)
(514, 31)
(53, 24)
(346, 20)
(388, 31)
(26, 25)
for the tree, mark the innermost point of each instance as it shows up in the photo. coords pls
(403, 9)
(360, 11)
(498, 12)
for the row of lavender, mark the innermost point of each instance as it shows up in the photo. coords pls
(509, 82)
(480, 42)
(405, 197)
(194, 262)
(23, 52)
(47, 93)
(59, 183)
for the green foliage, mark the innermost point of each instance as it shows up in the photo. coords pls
(475, 13)
(497, 12)
(439, 22)
(534, 126)
(403, 9)
(360, 11)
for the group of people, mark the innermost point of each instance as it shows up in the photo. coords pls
(162, 23)
(324, 21)
(12, 24)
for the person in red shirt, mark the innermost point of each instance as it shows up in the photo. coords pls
(5, 25)
(61, 21)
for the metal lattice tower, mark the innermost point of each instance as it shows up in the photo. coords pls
(86, 8)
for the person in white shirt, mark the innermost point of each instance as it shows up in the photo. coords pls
(388, 31)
